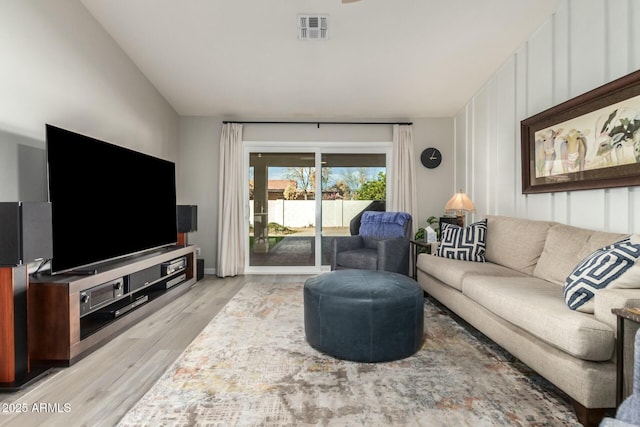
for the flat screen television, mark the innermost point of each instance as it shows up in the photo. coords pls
(107, 201)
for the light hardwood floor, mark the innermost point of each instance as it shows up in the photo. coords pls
(99, 389)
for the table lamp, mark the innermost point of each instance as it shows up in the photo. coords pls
(460, 204)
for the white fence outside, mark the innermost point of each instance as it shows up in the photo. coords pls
(301, 213)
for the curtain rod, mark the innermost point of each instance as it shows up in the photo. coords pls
(318, 123)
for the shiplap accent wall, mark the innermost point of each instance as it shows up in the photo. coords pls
(585, 44)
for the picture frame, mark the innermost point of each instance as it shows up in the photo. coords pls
(588, 142)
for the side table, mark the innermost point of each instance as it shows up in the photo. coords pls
(624, 314)
(418, 246)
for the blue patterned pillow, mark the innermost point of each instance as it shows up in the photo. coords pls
(614, 266)
(467, 244)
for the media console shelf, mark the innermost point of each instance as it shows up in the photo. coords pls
(62, 327)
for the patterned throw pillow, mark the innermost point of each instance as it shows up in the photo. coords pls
(614, 266)
(467, 244)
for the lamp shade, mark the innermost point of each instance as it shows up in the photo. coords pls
(460, 202)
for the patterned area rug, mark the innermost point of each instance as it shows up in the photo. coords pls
(251, 366)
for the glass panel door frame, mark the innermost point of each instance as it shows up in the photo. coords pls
(316, 149)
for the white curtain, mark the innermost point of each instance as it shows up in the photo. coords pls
(231, 240)
(403, 195)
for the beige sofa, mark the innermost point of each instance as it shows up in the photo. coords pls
(516, 299)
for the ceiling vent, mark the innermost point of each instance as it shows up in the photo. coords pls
(313, 27)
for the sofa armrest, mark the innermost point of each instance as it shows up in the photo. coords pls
(607, 299)
(341, 244)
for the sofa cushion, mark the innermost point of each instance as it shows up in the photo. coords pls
(614, 266)
(463, 243)
(452, 272)
(538, 307)
(515, 242)
(565, 247)
(608, 299)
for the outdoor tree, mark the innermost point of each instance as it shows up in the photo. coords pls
(325, 175)
(290, 192)
(354, 178)
(343, 189)
(340, 188)
(302, 176)
(305, 178)
(374, 190)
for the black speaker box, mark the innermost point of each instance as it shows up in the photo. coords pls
(25, 232)
(187, 218)
(199, 269)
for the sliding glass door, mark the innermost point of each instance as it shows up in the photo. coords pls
(282, 213)
(293, 212)
(351, 182)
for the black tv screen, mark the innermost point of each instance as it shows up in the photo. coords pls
(107, 201)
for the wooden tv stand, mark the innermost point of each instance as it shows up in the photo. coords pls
(60, 336)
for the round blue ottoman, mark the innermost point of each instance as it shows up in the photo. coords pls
(364, 315)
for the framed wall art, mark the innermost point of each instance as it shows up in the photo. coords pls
(591, 141)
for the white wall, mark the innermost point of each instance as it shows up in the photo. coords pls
(199, 151)
(59, 66)
(585, 44)
(200, 139)
(435, 186)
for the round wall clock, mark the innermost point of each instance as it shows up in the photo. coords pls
(431, 158)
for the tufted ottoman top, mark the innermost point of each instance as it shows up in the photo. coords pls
(367, 284)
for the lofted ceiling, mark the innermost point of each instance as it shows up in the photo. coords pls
(383, 59)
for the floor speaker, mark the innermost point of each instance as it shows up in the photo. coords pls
(199, 269)
(187, 218)
(25, 232)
